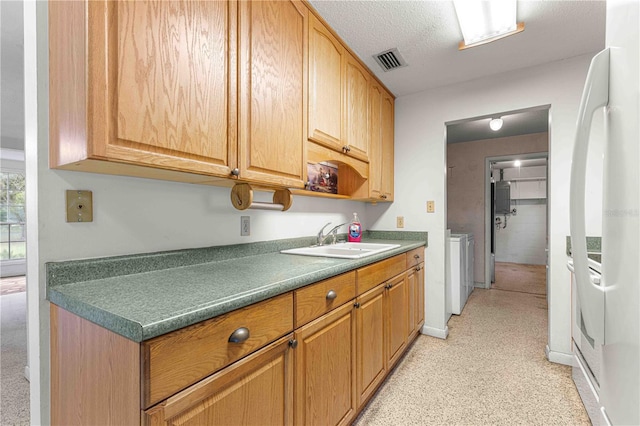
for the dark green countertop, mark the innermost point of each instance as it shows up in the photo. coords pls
(594, 247)
(144, 296)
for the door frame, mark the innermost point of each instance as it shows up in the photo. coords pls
(488, 222)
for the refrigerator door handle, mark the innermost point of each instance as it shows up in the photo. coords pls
(594, 96)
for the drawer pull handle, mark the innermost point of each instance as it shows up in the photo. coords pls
(239, 336)
(331, 295)
(416, 256)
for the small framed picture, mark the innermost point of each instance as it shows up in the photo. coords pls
(322, 177)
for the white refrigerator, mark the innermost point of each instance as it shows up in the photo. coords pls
(609, 303)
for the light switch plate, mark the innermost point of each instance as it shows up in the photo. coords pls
(400, 222)
(79, 206)
(431, 206)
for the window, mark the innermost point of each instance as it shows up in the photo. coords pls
(12, 216)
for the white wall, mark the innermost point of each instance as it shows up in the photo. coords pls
(524, 238)
(131, 215)
(420, 168)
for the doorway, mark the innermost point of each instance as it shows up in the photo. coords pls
(14, 394)
(516, 225)
(472, 145)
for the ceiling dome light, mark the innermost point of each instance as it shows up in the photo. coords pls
(517, 163)
(495, 124)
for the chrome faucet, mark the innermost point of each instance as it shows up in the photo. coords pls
(321, 238)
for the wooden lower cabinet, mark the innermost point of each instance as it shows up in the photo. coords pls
(415, 283)
(325, 359)
(370, 331)
(257, 390)
(321, 373)
(397, 316)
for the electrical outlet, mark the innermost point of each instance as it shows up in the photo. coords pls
(400, 222)
(431, 206)
(245, 226)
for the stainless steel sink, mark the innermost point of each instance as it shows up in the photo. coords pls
(343, 250)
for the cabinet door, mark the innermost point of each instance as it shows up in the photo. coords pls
(161, 84)
(325, 86)
(386, 165)
(370, 331)
(375, 146)
(237, 394)
(272, 86)
(397, 318)
(325, 369)
(415, 288)
(356, 119)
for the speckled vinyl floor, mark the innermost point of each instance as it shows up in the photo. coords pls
(14, 388)
(490, 371)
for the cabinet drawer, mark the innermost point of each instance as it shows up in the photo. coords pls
(317, 299)
(176, 360)
(415, 257)
(372, 275)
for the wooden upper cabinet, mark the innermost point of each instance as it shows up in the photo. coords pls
(148, 84)
(375, 148)
(356, 123)
(387, 131)
(338, 95)
(272, 86)
(325, 86)
(183, 89)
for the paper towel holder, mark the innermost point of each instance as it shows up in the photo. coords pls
(242, 198)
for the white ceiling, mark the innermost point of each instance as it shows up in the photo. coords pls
(427, 35)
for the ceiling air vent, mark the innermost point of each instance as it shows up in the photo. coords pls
(390, 60)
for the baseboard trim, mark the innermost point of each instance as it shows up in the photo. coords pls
(558, 357)
(435, 332)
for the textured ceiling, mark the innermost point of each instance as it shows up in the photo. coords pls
(427, 35)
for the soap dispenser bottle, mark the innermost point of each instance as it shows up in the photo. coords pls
(355, 229)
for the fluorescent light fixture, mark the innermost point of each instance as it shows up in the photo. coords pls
(517, 163)
(483, 21)
(496, 124)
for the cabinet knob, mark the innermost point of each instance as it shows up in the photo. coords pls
(418, 268)
(331, 295)
(383, 196)
(239, 336)
(293, 343)
(388, 286)
(235, 172)
(356, 305)
(346, 148)
(416, 256)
